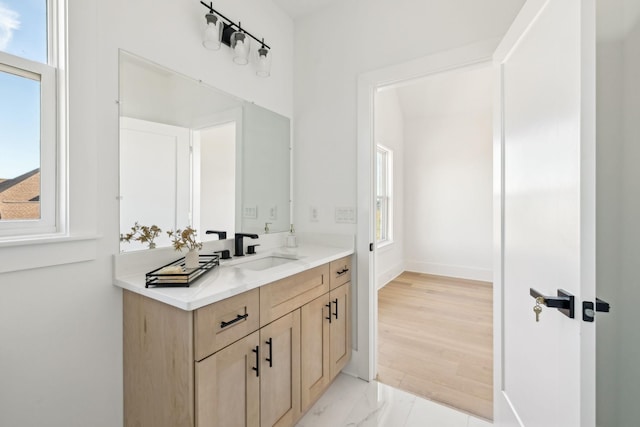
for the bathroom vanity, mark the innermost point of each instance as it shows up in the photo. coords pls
(240, 347)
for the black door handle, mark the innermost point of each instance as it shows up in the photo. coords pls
(335, 301)
(589, 309)
(564, 302)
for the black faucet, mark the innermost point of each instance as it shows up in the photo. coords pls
(239, 245)
(221, 234)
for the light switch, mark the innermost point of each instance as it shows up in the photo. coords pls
(250, 212)
(345, 215)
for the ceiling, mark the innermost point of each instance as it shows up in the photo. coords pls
(298, 8)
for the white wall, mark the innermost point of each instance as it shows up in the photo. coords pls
(61, 327)
(389, 131)
(337, 44)
(448, 175)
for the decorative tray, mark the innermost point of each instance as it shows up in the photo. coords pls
(157, 278)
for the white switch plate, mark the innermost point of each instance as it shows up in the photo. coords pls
(314, 215)
(250, 212)
(273, 212)
(345, 215)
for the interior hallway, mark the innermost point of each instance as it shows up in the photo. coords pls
(435, 338)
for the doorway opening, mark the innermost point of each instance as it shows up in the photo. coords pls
(433, 229)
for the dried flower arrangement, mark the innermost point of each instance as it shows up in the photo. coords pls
(142, 234)
(186, 238)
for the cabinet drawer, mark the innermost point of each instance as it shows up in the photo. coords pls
(284, 296)
(340, 271)
(219, 324)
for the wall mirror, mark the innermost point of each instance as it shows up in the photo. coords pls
(191, 154)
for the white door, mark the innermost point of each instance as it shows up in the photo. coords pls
(545, 210)
(154, 177)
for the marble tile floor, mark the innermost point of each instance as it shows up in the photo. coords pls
(351, 402)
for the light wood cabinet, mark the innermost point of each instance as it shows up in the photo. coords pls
(314, 332)
(218, 325)
(340, 272)
(280, 371)
(228, 386)
(340, 329)
(257, 359)
(283, 296)
(158, 363)
(325, 341)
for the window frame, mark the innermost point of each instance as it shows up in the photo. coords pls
(52, 80)
(385, 197)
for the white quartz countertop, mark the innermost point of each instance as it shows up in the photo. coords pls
(230, 278)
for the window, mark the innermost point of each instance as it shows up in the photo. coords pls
(384, 185)
(30, 135)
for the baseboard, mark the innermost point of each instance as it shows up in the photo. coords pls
(470, 273)
(385, 277)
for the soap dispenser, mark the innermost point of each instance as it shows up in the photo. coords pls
(292, 241)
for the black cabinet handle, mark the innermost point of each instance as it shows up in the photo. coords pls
(270, 358)
(343, 271)
(329, 307)
(238, 318)
(257, 367)
(335, 301)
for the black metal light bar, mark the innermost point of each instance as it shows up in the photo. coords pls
(228, 27)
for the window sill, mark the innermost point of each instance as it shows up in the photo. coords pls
(45, 251)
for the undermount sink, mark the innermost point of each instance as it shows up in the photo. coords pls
(265, 263)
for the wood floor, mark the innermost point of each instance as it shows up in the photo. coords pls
(435, 337)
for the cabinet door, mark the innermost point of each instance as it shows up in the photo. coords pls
(314, 340)
(280, 371)
(340, 329)
(228, 387)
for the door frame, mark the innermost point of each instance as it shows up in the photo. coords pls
(364, 358)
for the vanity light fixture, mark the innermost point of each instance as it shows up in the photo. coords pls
(241, 45)
(212, 38)
(263, 61)
(221, 30)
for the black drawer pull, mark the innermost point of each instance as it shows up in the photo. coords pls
(257, 367)
(238, 318)
(335, 301)
(343, 271)
(329, 307)
(270, 358)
